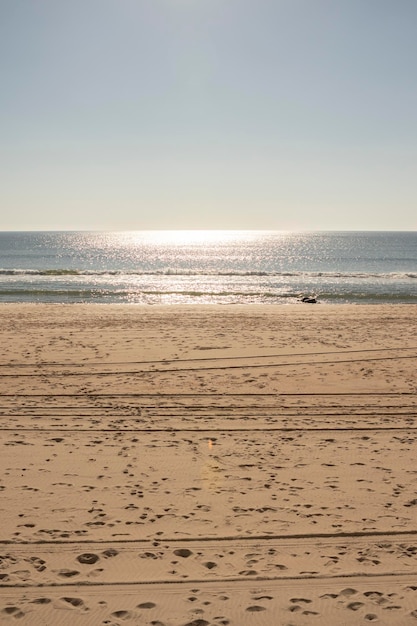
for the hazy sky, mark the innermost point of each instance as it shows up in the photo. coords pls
(267, 114)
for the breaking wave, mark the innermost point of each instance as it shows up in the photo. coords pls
(208, 272)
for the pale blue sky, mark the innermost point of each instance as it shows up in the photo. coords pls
(266, 114)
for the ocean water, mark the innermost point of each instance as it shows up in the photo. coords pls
(208, 267)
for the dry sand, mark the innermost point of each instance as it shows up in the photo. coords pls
(201, 466)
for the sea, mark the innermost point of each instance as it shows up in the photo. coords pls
(208, 267)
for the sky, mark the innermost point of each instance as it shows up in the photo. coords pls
(208, 114)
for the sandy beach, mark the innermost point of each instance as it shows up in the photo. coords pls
(208, 465)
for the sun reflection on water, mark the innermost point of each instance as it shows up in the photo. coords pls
(194, 237)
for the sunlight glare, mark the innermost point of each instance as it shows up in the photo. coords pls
(193, 237)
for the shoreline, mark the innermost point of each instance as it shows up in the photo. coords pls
(239, 305)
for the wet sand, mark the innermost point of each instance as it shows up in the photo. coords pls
(195, 466)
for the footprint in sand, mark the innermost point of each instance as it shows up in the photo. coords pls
(95, 572)
(348, 592)
(88, 558)
(74, 602)
(122, 614)
(13, 611)
(183, 552)
(67, 573)
(23, 575)
(41, 601)
(355, 606)
(38, 564)
(111, 552)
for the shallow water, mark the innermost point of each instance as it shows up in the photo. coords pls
(220, 267)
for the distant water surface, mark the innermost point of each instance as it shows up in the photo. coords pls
(218, 267)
